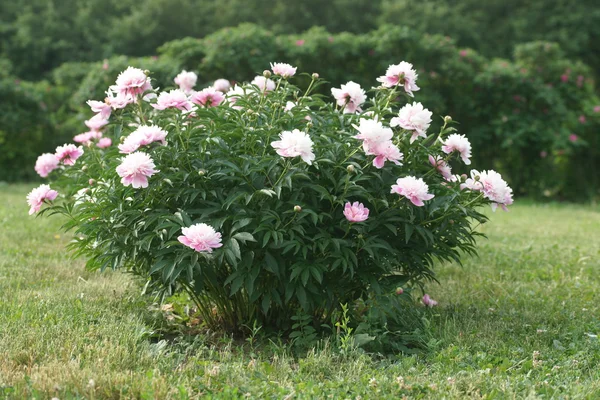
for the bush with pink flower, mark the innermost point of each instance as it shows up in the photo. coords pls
(264, 200)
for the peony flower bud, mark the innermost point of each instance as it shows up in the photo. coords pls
(463, 178)
(350, 168)
(297, 209)
(447, 119)
(267, 73)
(399, 291)
(91, 182)
(201, 172)
(315, 76)
(84, 168)
(477, 178)
(122, 139)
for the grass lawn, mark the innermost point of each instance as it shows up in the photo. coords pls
(520, 321)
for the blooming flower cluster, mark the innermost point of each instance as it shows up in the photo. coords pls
(201, 237)
(143, 136)
(38, 196)
(377, 141)
(492, 186)
(294, 144)
(350, 97)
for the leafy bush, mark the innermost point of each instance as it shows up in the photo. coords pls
(273, 203)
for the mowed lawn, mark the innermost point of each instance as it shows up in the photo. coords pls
(520, 321)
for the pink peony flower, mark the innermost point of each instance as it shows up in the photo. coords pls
(209, 97)
(201, 237)
(401, 74)
(131, 82)
(573, 137)
(293, 144)
(429, 302)
(96, 123)
(104, 143)
(372, 133)
(118, 101)
(68, 153)
(173, 99)
(564, 77)
(85, 138)
(142, 136)
(596, 109)
(105, 64)
(385, 151)
(460, 143)
(349, 96)
(582, 119)
(282, 69)
(100, 107)
(300, 42)
(414, 118)
(356, 212)
(222, 85)
(186, 81)
(492, 185)
(414, 189)
(135, 169)
(45, 164)
(463, 53)
(264, 84)
(37, 196)
(443, 168)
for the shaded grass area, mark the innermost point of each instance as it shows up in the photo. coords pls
(519, 321)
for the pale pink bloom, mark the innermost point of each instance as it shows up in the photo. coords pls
(415, 118)
(37, 196)
(186, 81)
(105, 64)
(104, 143)
(596, 109)
(300, 42)
(463, 53)
(564, 77)
(96, 123)
(372, 133)
(350, 96)
(385, 151)
(293, 144)
(582, 119)
(282, 69)
(131, 82)
(143, 136)
(84, 138)
(356, 212)
(45, 164)
(222, 85)
(264, 84)
(459, 143)
(173, 99)
(289, 105)
(429, 302)
(543, 154)
(414, 189)
(401, 74)
(443, 168)
(68, 153)
(201, 237)
(135, 169)
(573, 137)
(118, 101)
(100, 107)
(492, 185)
(209, 97)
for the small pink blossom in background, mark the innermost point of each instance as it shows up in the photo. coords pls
(415, 118)
(443, 168)
(37, 196)
(96, 123)
(414, 189)
(372, 133)
(300, 42)
(564, 77)
(543, 154)
(582, 119)
(596, 109)
(105, 64)
(209, 97)
(282, 69)
(135, 169)
(222, 85)
(459, 143)
(45, 164)
(401, 74)
(350, 96)
(356, 212)
(492, 185)
(131, 82)
(264, 84)
(463, 53)
(104, 143)
(85, 138)
(201, 237)
(68, 153)
(429, 302)
(385, 151)
(573, 137)
(293, 144)
(173, 99)
(100, 107)
(186, 81)
(143, 136)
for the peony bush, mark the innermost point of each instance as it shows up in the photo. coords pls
(264, 202)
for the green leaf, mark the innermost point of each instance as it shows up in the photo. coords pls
(244, 236)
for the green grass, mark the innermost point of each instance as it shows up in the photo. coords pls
(520, 321)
